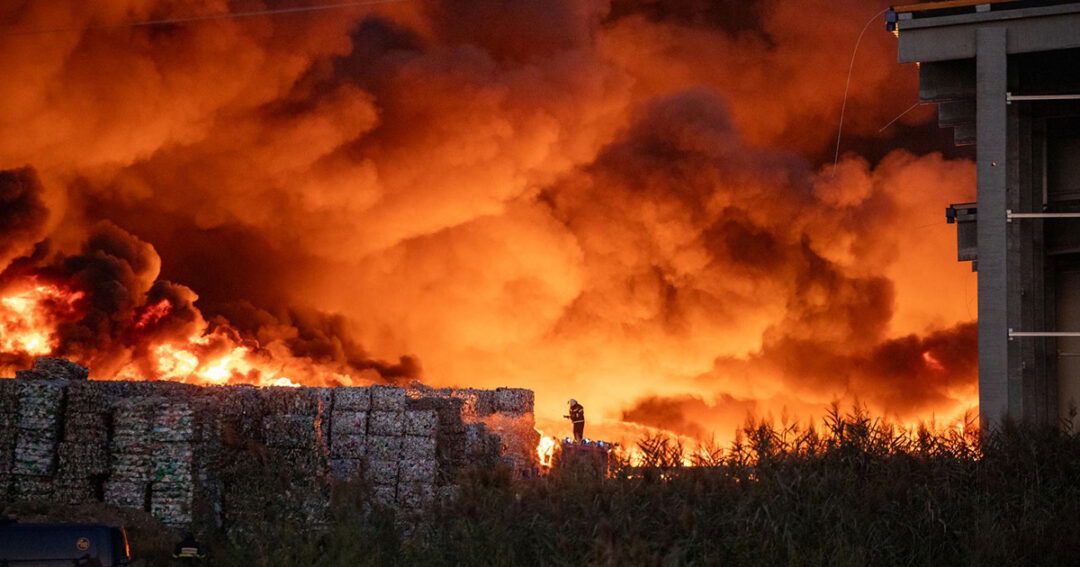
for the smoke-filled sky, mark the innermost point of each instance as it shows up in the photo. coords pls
(631, 202)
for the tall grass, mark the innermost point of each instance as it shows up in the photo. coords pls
(855, 490)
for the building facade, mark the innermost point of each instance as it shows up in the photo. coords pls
(1006, 77)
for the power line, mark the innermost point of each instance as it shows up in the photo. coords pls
(851, 66)
(899, 116)
(207, 17)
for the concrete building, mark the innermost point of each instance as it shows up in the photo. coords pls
(1006, 77)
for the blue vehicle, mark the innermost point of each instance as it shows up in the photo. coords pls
(67, 545)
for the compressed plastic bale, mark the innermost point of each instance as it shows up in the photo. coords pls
(388, 398)
(34, 456)
(418, 470)
(415, 495)
(83, 459)
(421, 422)
(476, 435)
(383, 472)
(345, 469)
(518, 438)
(448, 410)
(86, 397)
(286, 400)
(514, 401)
(130, 444)
(173, 463)
(351, 398)
(245, 411)
(9, 423)
(126, 494)
(381, 447)
(289, 431)
(59, 368)
(9, 396)
(40, 403)
(348, 422)
(74, 490)
(386, 423)
(173, 422)
(384, 495)
(86, 427)
(131, 467)
(348, 446)
(413, 447)
(135, 415)
(171, 503)
(29, 487)
(475, 403)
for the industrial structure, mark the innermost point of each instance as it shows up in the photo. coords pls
(1006, 77)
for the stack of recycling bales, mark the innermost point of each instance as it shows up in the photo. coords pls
(419, 464)
(296, 437)
(189, 454)
(129, 480)
(480, 445)
(84, 451)
(450, 444)
(498, 426)
(172, 462)
(386, 427)
(37, 434)
(348, 432)
(515, 425)
(163, 451)
(244, 457)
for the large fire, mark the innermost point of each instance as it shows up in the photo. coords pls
(30, 313)
(631, 203)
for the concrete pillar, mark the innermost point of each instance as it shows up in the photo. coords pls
(996, 399)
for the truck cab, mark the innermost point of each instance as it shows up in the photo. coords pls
(48, 545)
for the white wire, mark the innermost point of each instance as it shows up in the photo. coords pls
(843, 107)
(899, 116)
(208, 17)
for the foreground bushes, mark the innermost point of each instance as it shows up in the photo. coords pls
(861, 492)
(856, 491)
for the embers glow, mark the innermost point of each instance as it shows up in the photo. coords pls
(30, 313)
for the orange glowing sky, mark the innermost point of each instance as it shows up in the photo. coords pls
(628, 202)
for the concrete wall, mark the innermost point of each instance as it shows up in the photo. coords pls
(187, 453)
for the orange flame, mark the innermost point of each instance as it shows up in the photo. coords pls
(29, 316)
(545, 449)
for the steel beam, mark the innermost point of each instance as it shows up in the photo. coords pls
(991, 154)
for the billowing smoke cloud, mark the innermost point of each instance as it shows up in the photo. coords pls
(618, 202)
(23, 213)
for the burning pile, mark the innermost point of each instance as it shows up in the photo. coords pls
(193, 454)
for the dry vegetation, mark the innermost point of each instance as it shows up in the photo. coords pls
(854, 491)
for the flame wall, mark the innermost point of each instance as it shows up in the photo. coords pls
(628, 202)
